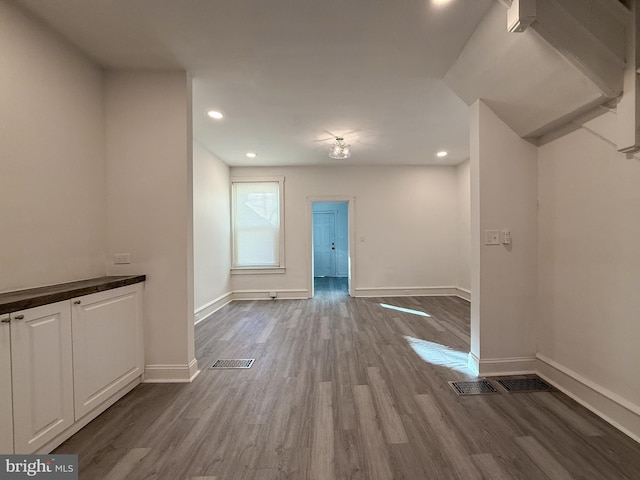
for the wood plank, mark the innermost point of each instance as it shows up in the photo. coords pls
(375, 453)
(325, 332)
(294, 318)
(543, 459)
(276, 426)
(348, 458)
(568, 415)
(489, 467)
(266, 474)
(389, 417)
(124, 467)
(452, 447)
(322, 453)
(268, 329)
(233, 329)
(404, 327)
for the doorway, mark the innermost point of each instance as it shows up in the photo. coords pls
(331, 251)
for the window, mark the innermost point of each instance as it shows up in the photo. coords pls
(257, 224)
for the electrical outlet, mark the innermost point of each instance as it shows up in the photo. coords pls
(506, 237)
(492, 237)
(122, 258)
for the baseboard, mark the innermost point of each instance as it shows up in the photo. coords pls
(171, 373)
(493, 367)
(405, 291)
(611, 407)
(463, 293)
(194, 371)
(473, 363)
(213, 306)
(299, 294)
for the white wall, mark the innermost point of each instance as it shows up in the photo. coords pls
(212, 231)
(406, 224)
(589, 269)
(149, 207)
(504, 189)
(463, 172)
(51, 158)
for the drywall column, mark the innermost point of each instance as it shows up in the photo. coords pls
(150, 208)
(503, 277)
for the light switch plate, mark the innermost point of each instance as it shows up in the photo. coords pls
(492, 237)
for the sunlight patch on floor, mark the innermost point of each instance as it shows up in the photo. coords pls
(440, 355)
(405, 310)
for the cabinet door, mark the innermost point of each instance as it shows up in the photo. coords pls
(107, 344)
(41, 368)
(6, 411)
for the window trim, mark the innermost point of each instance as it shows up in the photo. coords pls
(249, 270)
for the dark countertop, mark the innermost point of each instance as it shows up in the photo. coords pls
(34, 297)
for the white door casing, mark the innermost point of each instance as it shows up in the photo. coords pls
(352, 254)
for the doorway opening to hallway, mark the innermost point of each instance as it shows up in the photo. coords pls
(331, 252)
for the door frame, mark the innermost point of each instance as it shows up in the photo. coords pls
(351, 207)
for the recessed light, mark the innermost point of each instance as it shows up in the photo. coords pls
(215, 114)
(440, 2)
(442, 154)
(251, 155)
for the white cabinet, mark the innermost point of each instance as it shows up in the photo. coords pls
(107, 345)
(6, 411)
(42, 375)
(63, 363)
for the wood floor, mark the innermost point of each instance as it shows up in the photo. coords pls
(344, 388)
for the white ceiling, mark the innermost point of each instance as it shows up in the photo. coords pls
(291, 74)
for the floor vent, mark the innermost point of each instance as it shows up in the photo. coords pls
(525, 385)
(234, 363)
(479, 387)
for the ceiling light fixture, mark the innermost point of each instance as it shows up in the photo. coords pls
(252, 155)
(214, 114)
(339, 150)
(442, 154)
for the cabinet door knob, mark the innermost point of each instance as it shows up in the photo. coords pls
(77, 302)
(6, 320)
(19, 317)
